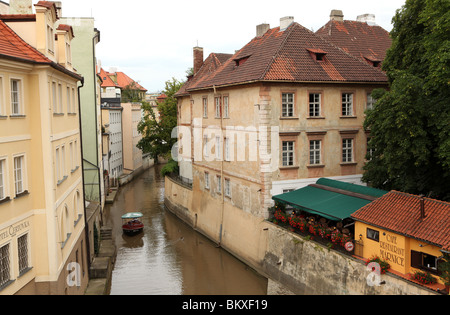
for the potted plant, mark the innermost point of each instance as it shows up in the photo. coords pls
(444, 268)
(423, 277)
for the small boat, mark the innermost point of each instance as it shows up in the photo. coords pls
(131, 223)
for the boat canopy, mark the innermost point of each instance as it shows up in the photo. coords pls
(132, 215)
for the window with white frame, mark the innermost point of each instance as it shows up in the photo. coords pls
(5, 267)
(347, 150)
(57, 165)
(19, 174)
(74, 101)
(22, 245)
(287, 104)
(227, 149)
(16, 107)
(2, 113)
(347, 104)
(218, 109)
(205, 145)
(226, 107)
(60, 99)
(219, 184)
(206, 180)
(63, 160)
(218, 149)
(54, 98)
(69, 101)
(50, 39)
(288, 153)
(314, 104)
(2, 179)
(227, 187)
(370, 101)
(205, 107)
(314, 152)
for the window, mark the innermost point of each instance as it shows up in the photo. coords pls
(205, 107)
(4, 265)
(227, 187)
(227, 149)
(370, 101)
(370, 150)
(347, 150)
(287, 101)
(218, 149)
(22, 244)
(60, 99)
(424, 261)
(54, 99)
(314, 105)
(373, 235)
(2, 180)
(217, 102)
(19, 175)
(57, 166)
(63, 160)
(72, 166)
(1, 97)
(206, 180)
(219, 184)
(15, 97)
(50, 39)
(288, 153)
(314, 152)
(225, 107)
(74, 103)
(347, 104)
(69, 101)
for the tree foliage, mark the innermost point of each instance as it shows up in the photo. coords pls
(157, 133)
(410, 123)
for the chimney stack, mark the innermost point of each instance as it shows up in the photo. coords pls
(422, 208)
(368, 18)
(58, 5)
(336, 15)
(261, 29)
(20, 7)
(285, 22)
(198, 59)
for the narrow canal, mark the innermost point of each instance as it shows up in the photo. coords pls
(169, 257)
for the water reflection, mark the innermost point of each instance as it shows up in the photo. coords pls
(169, 257)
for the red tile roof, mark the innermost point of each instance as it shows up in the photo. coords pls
(123, 81)
(106, 79)
(359, 39)
(14, 47)
(286, 56)
(400, 212)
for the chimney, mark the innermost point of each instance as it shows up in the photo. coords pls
(198, 59)
(336, 15)
(422, 208)
(367, 18)
(58, 5)
(20, 7)
(261, 29)
(285, 22)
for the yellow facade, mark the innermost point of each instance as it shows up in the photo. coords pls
(394, 248)
(42, 220)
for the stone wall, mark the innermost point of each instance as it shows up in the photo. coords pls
(306, 267)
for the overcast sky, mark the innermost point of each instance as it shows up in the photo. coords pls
(152, 41)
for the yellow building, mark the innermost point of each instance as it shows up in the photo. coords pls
(409, 232)
(42, 222)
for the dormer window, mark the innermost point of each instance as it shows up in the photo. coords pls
(373, 61)
(317, 54)
(50, 39)
(240, 61)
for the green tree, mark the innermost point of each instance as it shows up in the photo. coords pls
(157, 133)
(410, 123)
(131, 93)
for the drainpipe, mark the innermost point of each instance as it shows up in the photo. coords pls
(86, 225)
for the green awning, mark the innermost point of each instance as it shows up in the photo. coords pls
(329, 204)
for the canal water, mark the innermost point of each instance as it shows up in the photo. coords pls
(169, 257)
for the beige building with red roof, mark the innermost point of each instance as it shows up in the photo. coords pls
(42, 217)
(283, 111)
(409, 232)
